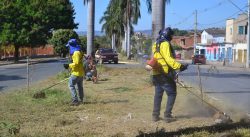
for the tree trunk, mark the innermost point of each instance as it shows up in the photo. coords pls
(113, 41)
(128, 38)
(124, 47)
(16, 53)
(158, 17)
(91, 26)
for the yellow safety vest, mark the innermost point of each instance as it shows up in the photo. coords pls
(165, 53)
(77, 65)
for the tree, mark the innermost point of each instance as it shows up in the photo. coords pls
(113, 25)
(158, 15)
(31, 22)
(60, 39)
(91, 25)
(131, 14)
(178, 32)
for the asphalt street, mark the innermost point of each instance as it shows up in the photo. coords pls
(14, 76)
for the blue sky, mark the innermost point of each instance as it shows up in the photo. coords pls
(179, 13)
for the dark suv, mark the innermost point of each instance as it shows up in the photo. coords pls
(199, 58)
(107, 55)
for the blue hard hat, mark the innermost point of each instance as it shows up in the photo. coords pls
(73, 46)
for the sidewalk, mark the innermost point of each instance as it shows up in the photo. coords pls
(226, 66)
(229, 66)
(31, 60)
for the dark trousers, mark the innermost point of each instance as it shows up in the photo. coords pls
(164, 83)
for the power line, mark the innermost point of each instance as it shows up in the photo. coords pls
(211, 8)
(184, 20)
(238, 21)
(237, 6)
(199, 12)
(223, 20)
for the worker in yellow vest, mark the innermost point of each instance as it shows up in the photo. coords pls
(164, 76)
(76, 71)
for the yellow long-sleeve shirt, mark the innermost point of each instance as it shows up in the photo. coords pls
(166, 54)
(77, 65)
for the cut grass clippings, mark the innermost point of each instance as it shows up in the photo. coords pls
(119, 105)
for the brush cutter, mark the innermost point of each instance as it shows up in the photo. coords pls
(41, 94)
(219, 116)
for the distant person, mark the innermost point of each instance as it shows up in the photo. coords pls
(77, 72)
(90, 69)
(164, 76)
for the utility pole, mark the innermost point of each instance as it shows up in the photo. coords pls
(248, 36)
(195, 31)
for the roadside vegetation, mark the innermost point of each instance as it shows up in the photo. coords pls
(119, 105)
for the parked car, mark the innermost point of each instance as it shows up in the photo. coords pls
(107, 55)
(199, 58)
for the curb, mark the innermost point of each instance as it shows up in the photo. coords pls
(32, 61)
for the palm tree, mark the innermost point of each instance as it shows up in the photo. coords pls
(112, 19)
(125, 14)
(91, 25)
(131, 14)
(158, 15)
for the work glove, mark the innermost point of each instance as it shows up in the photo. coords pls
(66, 66)
(183, 67)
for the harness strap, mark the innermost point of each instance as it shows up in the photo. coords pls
(158, 50)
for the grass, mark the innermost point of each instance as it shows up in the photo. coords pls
(119, 105)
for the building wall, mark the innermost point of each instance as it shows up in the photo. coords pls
(206, 38)
(229, 52)
(218, 39)
(187, 43)
(230, 31)
(213, 52)
(240, 52)
(236, 51)
(25, 51)
(241, 21)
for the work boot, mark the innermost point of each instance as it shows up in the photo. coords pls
(169, 118)
(81, 102)
(74, 103)
(155, 118)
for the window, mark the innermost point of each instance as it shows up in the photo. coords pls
(241, 30)
(231, 31)
(214, 53)
(246, 30)
(183, 42)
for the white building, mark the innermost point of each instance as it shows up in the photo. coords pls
(236, 37)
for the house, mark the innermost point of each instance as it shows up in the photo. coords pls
(187, 44)
(236, 38)
(212, 44)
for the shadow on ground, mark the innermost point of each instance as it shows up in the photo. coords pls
(106, 102)
(186, 131)
(9, 77)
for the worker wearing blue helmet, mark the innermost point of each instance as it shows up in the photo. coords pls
(76, 71)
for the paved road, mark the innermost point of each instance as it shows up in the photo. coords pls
(15, 75)
(229, 86)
